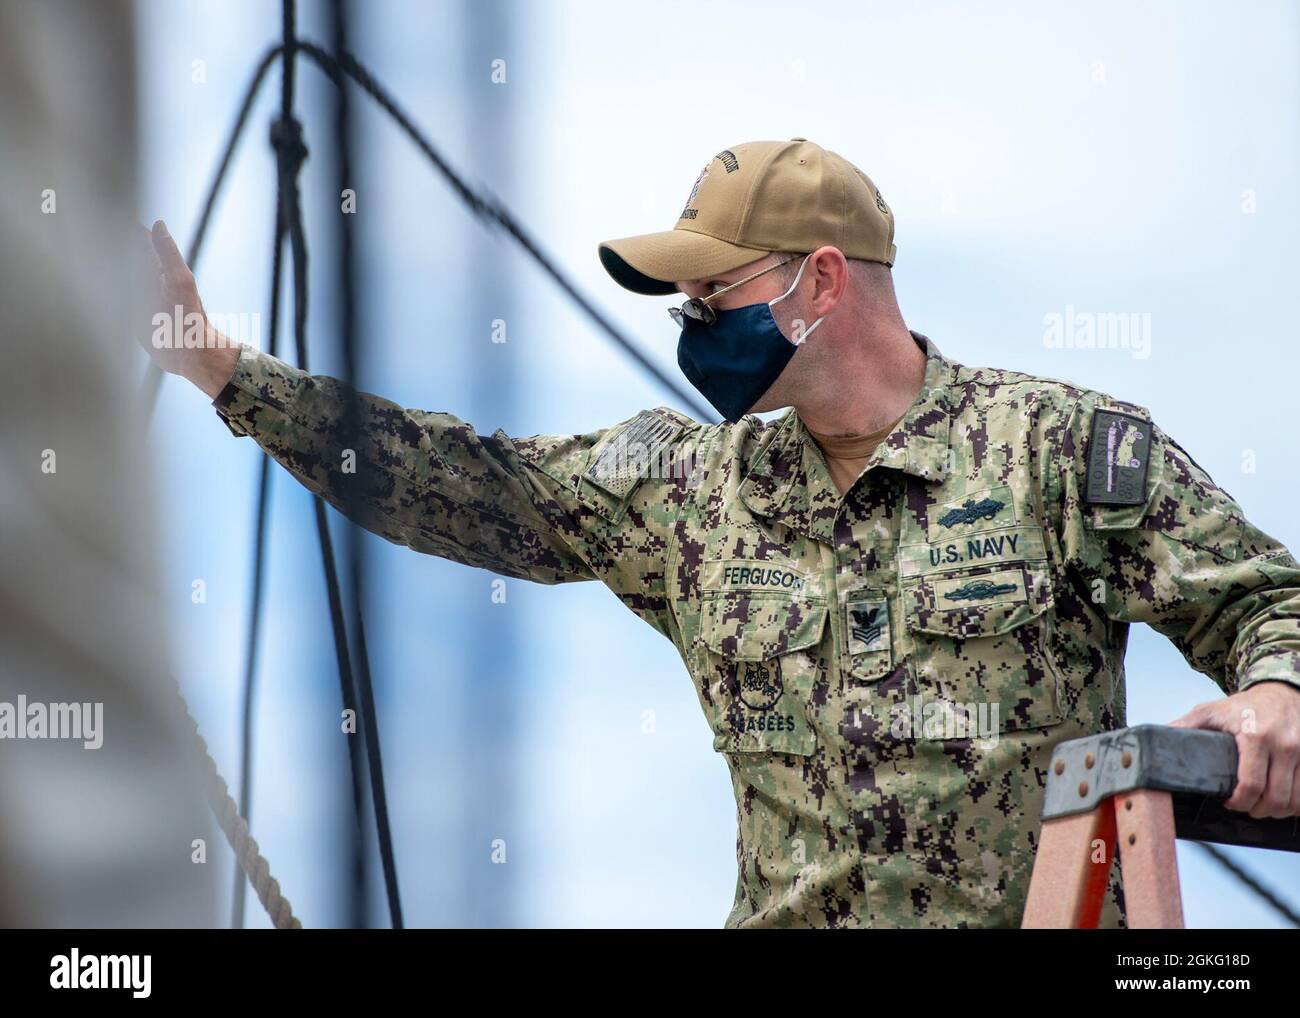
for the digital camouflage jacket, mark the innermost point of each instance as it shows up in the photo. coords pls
(886, 672)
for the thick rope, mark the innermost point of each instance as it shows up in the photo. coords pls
(243, 844)
(337, 67)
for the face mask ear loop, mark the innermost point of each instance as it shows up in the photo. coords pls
(798, 276)
(807, 332)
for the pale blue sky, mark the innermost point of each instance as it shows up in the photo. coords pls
(1101, 156)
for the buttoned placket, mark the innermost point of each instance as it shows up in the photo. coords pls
(858, 534)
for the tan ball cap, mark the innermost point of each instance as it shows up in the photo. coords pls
(756, 198)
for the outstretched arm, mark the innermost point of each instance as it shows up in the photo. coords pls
(541, 508)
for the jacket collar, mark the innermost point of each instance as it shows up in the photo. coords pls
(788, 481)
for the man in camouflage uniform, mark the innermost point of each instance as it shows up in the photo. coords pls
(886, 651)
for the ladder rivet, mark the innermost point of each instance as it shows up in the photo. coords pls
(1132, 839)
(1128, 803)
(1127, 759)
(1089, 760)
(1083, 788)
(1060, 767)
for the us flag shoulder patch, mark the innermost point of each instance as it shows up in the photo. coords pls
(632, 452)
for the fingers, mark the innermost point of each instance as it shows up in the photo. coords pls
(146, 235)
(144, 259)
(1252, 775)
(1197, 717)
(1268, 748)
(1203, 715)
(169, 255)
(1281, 798)
(1276, 800)
(1252, 790)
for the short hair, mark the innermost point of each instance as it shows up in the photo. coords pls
(865, 274)
(786, 273)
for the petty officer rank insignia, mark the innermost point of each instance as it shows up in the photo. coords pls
(868, 626)
(1118, 457)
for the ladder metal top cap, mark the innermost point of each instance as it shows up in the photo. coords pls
(1083, 772)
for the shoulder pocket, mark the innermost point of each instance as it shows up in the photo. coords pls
(980, 643)
(756, 665)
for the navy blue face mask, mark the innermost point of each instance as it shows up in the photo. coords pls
(736, 358)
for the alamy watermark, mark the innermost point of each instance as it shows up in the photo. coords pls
(918, 718)
(32, 720)
(1098, 330)
(179, 330)
(627, 457)
(77, 971)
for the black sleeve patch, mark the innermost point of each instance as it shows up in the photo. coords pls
(1119, 456)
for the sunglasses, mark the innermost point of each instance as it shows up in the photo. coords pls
(698, 308)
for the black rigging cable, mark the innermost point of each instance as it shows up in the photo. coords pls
(288, 145)
(492, 211)
(351, 438)
(291, 152)
(245, 800)
(336, 68)
(1250, 883)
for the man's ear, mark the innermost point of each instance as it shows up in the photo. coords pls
(830, 271)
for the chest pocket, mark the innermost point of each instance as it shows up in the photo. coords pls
(757, 662)
(980, 640)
